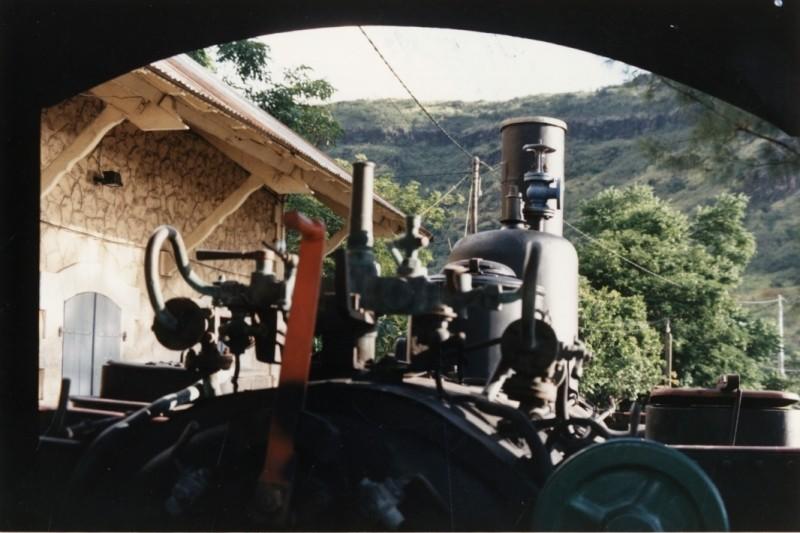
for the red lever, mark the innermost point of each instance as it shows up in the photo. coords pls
(278, 472)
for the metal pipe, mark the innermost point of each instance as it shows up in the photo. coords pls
(361, 205)
(529, 296)
(161, 234)
(277, 475)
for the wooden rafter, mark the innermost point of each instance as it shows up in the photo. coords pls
(154, 111)
(215, 125)
(226, 208)
(273, 178)
(335, 240)
(84, 143)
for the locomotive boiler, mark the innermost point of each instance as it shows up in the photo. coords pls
(476, 422)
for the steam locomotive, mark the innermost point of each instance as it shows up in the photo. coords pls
(475, 422)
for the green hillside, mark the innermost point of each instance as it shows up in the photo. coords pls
(606, 128)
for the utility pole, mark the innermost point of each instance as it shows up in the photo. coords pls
(668, 351)
(781, 352)
(475, 193)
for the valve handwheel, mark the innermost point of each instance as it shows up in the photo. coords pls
(539, 150)
(629, 485)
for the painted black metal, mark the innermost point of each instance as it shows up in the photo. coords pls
(143, 382)
(517, 133)
(448, 455)
(760, 486)
(558, 269)
(485, 325)
(713, 425)
(361, 208)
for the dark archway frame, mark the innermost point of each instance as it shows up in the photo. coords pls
(745, 52)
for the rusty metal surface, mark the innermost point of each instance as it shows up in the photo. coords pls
(277, 475)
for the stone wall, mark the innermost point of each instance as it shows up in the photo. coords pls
(93, 237)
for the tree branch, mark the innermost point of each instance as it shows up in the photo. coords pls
(745, 129)
(739, 127)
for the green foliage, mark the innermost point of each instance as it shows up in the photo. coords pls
(627, 359)
(249, 58)
(313, 208)
(295, 100)
(696, 262)
(203, 57)
(293, 103)
(720, 229)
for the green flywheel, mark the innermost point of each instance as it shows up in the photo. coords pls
(629, 485)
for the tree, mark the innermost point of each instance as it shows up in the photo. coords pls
(693, 265)
(726, 143)
(294, 100)
(627, 359)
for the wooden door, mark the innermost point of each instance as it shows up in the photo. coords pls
(92, 336)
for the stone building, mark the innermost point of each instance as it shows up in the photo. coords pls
(189, 152)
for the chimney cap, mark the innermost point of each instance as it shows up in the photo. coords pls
(534, 120)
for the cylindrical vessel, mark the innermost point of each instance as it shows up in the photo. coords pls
(361, 210)
(558, 272)
(710, 417)
(485, 324)
(516, 133)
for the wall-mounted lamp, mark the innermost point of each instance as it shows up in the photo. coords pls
(109, 178)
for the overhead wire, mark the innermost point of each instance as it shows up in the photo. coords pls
(445, 195)
(610, 250)
(418, 102)
(433, 121)
(762, 302)
(427, 174)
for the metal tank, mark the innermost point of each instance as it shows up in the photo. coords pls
(483, 323)
(512, 242)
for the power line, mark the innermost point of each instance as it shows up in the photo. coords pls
(417, 101)
(445, 195)
(764, 302)
(614, 252)
(428, 174)
(759, 302)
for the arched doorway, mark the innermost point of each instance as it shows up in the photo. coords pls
(92, 336)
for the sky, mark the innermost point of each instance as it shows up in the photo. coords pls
(440, 64)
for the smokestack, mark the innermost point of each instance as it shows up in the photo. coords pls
(361, 209)
(515, 133)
